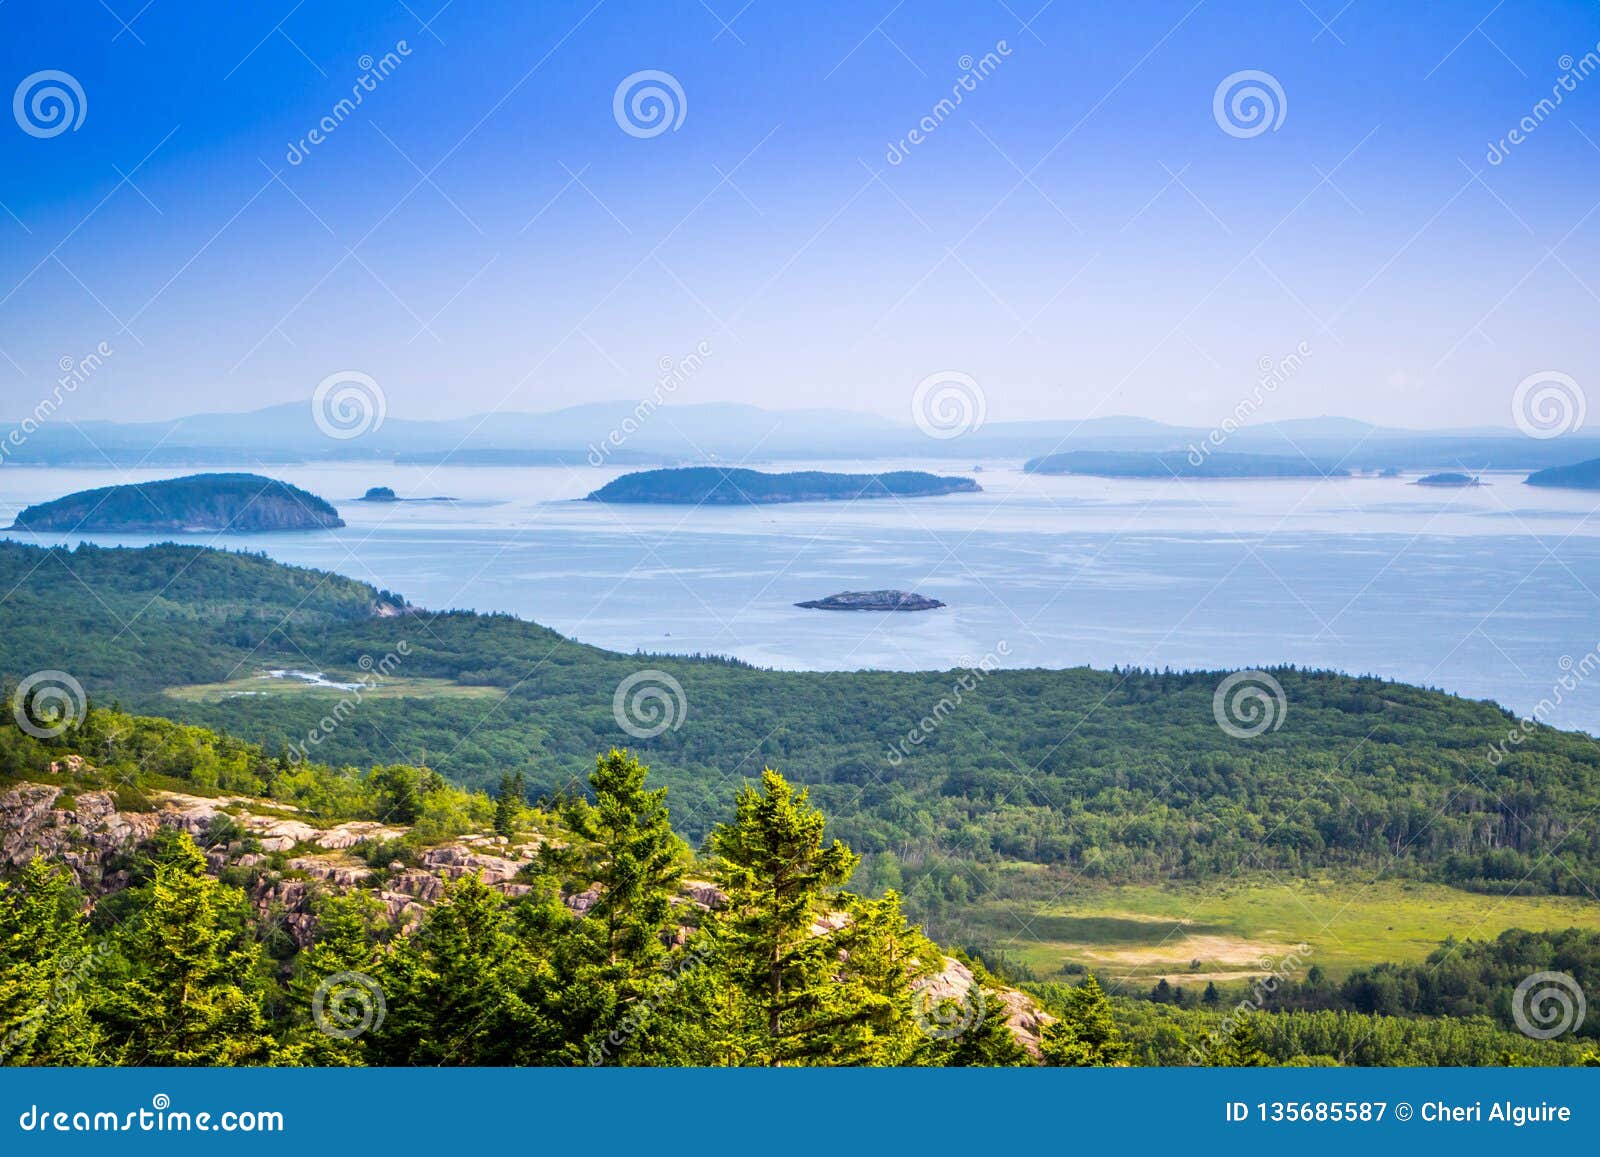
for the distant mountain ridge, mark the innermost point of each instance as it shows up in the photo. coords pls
(633, 433)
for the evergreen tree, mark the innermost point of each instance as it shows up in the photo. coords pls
(508, 804)
(463, 989)
(1087, 1034)
(47, 971)
(623, 846)
(776, 934)
(881, 957)
(1239, 1047)
(988, 1043)
(193, 994)
(610, 966)
(336, 976)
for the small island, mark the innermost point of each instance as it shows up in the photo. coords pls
(717, 486)
(1578, 476)
(387, 494)
(873, 601)
(1140, 464)
(198, 503)
(1449, 479)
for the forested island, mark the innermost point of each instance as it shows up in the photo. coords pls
(1578, 476)
(1139, 464)
(1449, 479)
(197, 503)
(717, 486)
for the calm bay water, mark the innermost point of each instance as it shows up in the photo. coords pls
(1486, 592)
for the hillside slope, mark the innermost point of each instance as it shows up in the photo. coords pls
(943, 778)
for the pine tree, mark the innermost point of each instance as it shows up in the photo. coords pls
(1087, 1034)
(775, 933)
(193, 994)
(47, 971)
(611, 965)
(336, 976)
(462, 989)
(987, 1043)
(1239, 1047)
(624, 847)
(881, 956)
(508, 804)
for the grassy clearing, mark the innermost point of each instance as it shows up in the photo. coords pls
(1244, 928)
(265, 686)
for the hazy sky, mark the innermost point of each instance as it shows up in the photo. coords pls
(1081, 235)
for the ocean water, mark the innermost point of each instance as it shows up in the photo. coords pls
(1490, 592)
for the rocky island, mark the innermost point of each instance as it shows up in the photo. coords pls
(873, 601)
(1449, 479)
(387, 494)
(719, 486)
(239, 503)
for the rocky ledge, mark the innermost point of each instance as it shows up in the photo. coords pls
(873, 601)
(288, 861)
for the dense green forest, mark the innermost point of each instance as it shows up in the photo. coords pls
(177, 966)
(938, 778)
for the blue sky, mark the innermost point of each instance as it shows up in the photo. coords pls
(1080, 235)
